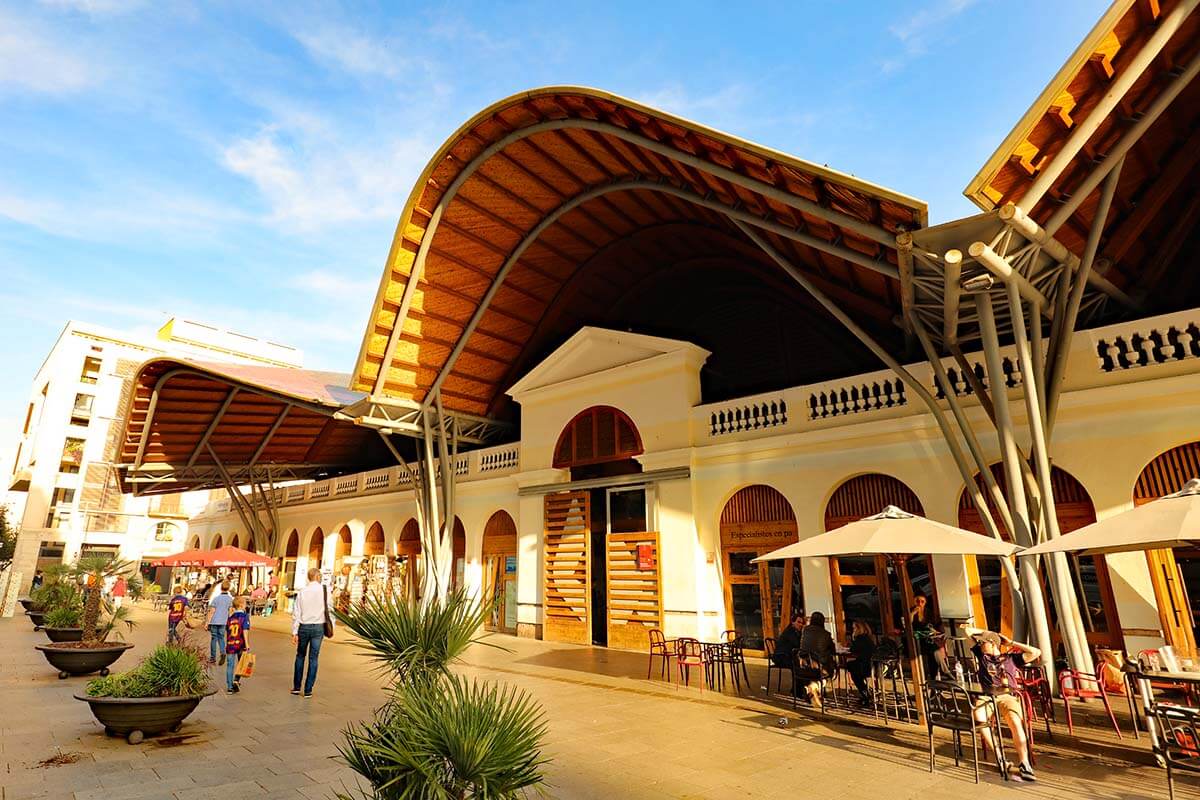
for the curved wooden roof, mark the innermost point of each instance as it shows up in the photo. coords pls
(542, 188)
(255, 419)
(1155, 207)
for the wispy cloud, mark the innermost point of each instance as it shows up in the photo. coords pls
(921, 29)
(94, 8)
(331, 283)
(351, 50)
(32, 60)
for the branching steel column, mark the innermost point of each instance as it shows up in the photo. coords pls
(1069, 622)
(1022, 534)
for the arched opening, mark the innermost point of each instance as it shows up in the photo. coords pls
(316, 548)
(458, 545)
(291, 551)
(500, 571)
(759, 598)
(598, 442)
(1175, 574)
(233, 542)
(216, 542)
(250, 543)
(405, 577)
(1089, 574)
(865, 587)
(375, 561)
(344, 577)
(194, 542)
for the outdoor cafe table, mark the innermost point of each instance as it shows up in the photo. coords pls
(1144, 678)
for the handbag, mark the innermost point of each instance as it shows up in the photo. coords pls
(245, 665)
(328, 621)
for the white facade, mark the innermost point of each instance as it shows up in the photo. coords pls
(1126, 401)
(69, 437)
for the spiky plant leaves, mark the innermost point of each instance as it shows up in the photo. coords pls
(94, 570)
(450, 738)
(168, 671)
(416, 641)
(64, 616)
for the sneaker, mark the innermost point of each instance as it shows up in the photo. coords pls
(1025, 773)
(229, 691)
(308, 695)
(222, 661)
(295, 691)
(237, 687)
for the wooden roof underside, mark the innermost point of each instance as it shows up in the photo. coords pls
(1151, 230)
(167, 448)
(646, 192)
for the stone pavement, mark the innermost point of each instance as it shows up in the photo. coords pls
(612, 734)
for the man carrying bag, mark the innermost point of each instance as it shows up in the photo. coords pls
(311, 623)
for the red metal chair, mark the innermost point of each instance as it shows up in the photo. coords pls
(690, 653)
(660, 647)
(1034, 684)
(1081, 686)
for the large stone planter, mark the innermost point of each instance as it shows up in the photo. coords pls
(64, 634)
(37, 618)
(136, 717)
(81, 661)
(26, 603)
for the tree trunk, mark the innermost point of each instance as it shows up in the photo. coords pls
(91, 612)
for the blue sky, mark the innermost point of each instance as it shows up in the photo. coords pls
(247, 168)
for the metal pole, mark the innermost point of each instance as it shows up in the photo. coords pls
(1069, 622)
(432, 530)
(1022, 535)
(914, 657)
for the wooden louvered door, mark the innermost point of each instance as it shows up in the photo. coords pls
(567, 599)
(634, 589)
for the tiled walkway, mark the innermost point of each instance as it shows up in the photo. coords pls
(612, 735)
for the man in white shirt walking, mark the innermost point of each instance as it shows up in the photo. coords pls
(308, 630)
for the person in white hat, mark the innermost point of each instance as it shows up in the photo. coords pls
(998, 658)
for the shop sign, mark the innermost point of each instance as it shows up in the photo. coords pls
(645, 556)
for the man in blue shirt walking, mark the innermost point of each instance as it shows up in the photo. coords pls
(218, 616)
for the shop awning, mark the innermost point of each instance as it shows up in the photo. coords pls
(227, 556)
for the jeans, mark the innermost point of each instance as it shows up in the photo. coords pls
(216, 642)
(173, 632)
(230, 666)
(310, 638)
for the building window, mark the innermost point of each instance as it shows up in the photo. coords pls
(61, 501)
(72, 455)
(28, 418)
(91, 370)
(165, 532)
(51, 550)
(81, 412)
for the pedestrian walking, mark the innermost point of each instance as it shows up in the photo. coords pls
(311, 623)
(176, 611)
(37, 580)
(119, 590)
(218, 615)
(237, 641)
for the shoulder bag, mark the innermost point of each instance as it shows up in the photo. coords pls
(328, 621)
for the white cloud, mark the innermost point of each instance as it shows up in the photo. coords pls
(94, 8)
(352, 51)
(331, 283)
(30, 60)
(917, 32)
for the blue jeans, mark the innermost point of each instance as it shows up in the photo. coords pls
(216, 641)
(173, 632)
(310, 638)
(230, 665)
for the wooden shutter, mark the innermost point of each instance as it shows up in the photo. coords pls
(567, 602)
(634, 592)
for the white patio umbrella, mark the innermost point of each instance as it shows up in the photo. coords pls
(897, 535)
(1170, 521)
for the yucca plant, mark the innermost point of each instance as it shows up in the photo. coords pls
(94, 571)
(67, 616)
(59, 588)
(440, 735)
(169, 671)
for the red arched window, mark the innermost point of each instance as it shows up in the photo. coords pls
(597, 435)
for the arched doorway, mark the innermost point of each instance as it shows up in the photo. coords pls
(344, 578)
(500, 571)
(234, 542)
(759, 598)
(291, 551)
(864, 588)
(406, 575)
(1089, 574)
(375, 561)
(1175, 574)
(194, 543)
(458, 546)
(316, 548)
(589, 528)
(216, 542)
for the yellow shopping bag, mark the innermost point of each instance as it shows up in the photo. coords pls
(245, 666)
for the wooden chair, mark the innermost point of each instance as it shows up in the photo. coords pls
(772, 667)
(1079, 685)
(689, 653)
(660, 647)
(949, 707)
(1178, 740)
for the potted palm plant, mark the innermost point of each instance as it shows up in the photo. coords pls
(439, 734)
(58, 588)
(93, 652)
(154, 697)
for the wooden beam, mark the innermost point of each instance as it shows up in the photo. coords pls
(1169, 179)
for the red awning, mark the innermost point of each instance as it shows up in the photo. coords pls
(227, 556)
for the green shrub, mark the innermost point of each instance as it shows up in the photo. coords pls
(168, 671)
(56, 594)
(65, 617)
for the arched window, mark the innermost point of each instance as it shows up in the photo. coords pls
(316, 548)
(500, 571)
(216, 542)
(373, 545)
(597, 435)
(293, 544)
(757, 520)
(861, 584)
(165, 532)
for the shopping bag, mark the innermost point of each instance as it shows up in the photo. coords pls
(245, 666)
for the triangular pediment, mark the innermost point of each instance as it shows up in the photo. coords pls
(596, 350)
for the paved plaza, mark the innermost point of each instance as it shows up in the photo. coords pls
(612, 734)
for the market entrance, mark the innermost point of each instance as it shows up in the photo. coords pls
(500, 572)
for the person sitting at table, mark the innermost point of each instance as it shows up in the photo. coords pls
(258, 593)
(817, 644)
(788, 641)
(862, 647)
(931, 640)
(998, 672)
